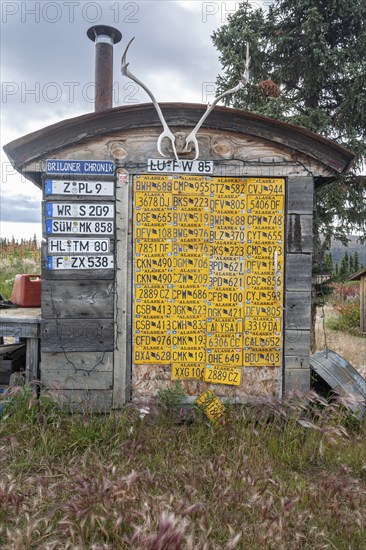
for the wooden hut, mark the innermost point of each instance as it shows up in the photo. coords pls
(155, 270)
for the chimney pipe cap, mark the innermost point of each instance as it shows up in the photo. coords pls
(105, 30)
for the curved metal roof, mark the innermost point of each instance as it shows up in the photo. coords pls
(37, 145)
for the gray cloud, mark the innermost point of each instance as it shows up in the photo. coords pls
(20, 209)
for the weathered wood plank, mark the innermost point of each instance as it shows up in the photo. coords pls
(93, 371)
(297, 310)
(32, 360)
(84, 274)
(297, 342)
(121, 384)
(299, 234)
(77, 335)
(297, 362)
(19, 329)
(97, 401)
(297, 380)
(300, 195)
(77, 299)
(298, 272)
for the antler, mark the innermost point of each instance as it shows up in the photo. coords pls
(167, 132)
(243, 81)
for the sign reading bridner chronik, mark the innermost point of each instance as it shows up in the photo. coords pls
(69, 220)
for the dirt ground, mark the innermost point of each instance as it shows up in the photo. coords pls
(352, 348)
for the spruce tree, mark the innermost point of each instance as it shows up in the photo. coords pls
(356, 262)
(308, 68)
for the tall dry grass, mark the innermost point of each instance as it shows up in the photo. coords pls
(282, 475)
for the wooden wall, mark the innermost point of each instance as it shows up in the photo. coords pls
(86, 329)
(299, 230)
(77, 337)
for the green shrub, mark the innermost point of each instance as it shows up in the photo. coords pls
(347, 318)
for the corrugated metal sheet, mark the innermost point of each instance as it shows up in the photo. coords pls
(342, 378)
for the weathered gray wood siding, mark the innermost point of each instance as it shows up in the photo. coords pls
(298, 246)
(77, 336)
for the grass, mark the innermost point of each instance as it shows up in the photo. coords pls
(276, 475)
(12, 265)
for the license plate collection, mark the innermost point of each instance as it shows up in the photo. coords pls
(208, 274)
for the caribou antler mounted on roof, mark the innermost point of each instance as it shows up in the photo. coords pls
(167, 132)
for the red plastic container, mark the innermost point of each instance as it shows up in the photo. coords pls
(27, 291)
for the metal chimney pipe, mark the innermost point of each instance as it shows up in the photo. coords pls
(104, 37)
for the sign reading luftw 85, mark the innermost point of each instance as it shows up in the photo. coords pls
(208, 274)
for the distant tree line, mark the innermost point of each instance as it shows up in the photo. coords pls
(22, 248)
(350, 264)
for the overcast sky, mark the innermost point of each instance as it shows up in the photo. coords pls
(47, 71)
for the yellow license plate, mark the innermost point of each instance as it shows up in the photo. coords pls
(153, 278)
(152, 357)
(152, 341)
(188, 341)
(187, 371)
(261, 236)
(225, 357)
(262, 281)
(211, 406)
(230, 340)
(227, 249)
(227, 311)
(262, 342)
(224, 221)
(268, 186)
(224, 296)
(230, 376)
(224, 325)
(263, 266)
(192, 294)
(152, 183)
(146, 264)
(147, 219)
(188, 356)
(227, 265)
(190, 202)
(191, 277)
(262, 325)
(263, 311)
(262, 296)
(265, 204)
(153, 310)
(190, 263)
(232, 235)
(154, 232)
(148, 248)
(190, 249)
(191, 233)
(225, 204)
(191, 218)
(267, 221)
(231, 280)
(264, 250)
(262, 358)
(155, 293)
(191, 185)
(188, 325)
(153, 326)
(183, 310)
(230, 188)
(152, 201)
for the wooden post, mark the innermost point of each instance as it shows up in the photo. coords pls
(121, 383)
